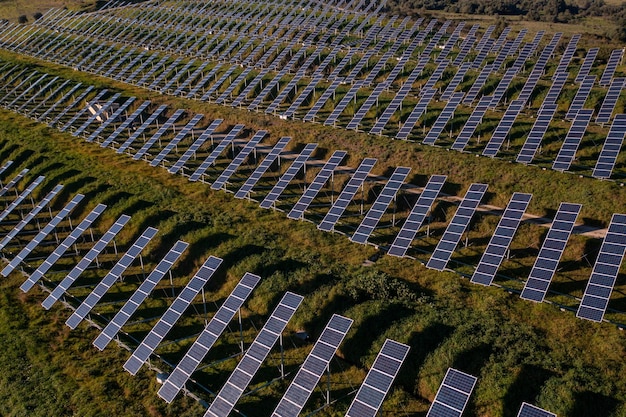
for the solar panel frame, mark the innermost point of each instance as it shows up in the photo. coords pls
(20, 198)
(79, 113)
(140, 295)
(205, 341)
(471, 124)
(537, 132)
(598, 291)
(89, 257)
(501, 239)
(171, 316)
(611, 66)
(110, 278)
(415, 115)
(458, 225)
(529, 410)
(114, 116)
(379, 207)
(206, 134)
(581, 97)
(570, 145)
(503, 129)
(347, 194)
(13, 181)
(97, 114)
(169, 123)
(126, 124)
(247, 187)
(62, 248)
(610, 100)
(139, 131)
(288, 176)
(453, 394)
(570, 50)
(444, 117)
(311, 371)
(547, 260)
(241, 376)
(585, 68)
(371, 394)
(176, 140)
(611, 148)
(215, 153)
(459, 75)
(221, 181)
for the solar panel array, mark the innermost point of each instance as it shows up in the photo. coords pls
(210, 160)
(213, 330)
(570, 145)
(529, 410)
(611, 66)
(247, 187)
(376, 385)
(195, 146)
(238, 160)
(171, 316)
(608, 105)
(611, 148)
(452, 395)
(21, 197)
(239, 379)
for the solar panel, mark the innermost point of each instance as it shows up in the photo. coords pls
(13, 181)
(111, 277)
(140, 295)
(205, 80)
(208, 93)
(478, 84)
(527, 51)
(181, 88)
(504, 127)
(297, 211)
(611, 148)
(581, 97)
(442, 120)
(246, 188)
(611, 66)
(139, 131)
(195, 146)
(555, 89)
(62, 248)
(501, 239)
(166, 70)
(378, 381)
(311, 371)
(452, 395)
(78, 269)
(592, 53)
(114, 116)
(238, 160)
(126, 124)
(178, 75)
(210, 160)
(347, 194)
(330, 91)
(529, 410)
(239, 379)
(472, 123)
(538, 131)
(171, 316)
(5, 166)
(458, 225)
(26, 91)
(130, 79)
(229, 90)
(288, 176)
(568, 54)
(436, 75)
(205, 341)
(417, 215)
(41, 235)
(415, 115)
(375, 213)
(63, 99)
(570, 145)
(79, 113)
(160, 132)
(598, 291)
(100, 110)
(503, 85)
(456, 80)
(550, 253)
(608, 105)
(20, 198)
(174, 142)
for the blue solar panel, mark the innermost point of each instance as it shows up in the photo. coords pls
(78, 269)
(592, 53)
(246, 188)
(529, 410)
(611, 66)
(174, 142)
(581, 97)
(139, 296)
(171, 316)
(550, 253)
(314, 188)
(100, 110)
(191, 151)
(63, 247)
(169, 123)
(503, 85)
(113, 118)
(456, 80)
(238, 160)
(330, 91)
(312, 369)
(478, 84)
(79, 113)
(377, 383)
(126, 124)
(111, 277)
(457, 227)
(141, 129)
(213, 330)
(568, 54)
(608, 105)
(472, 123)
(504, 127)
(596, 297)
(501, 239)
(31, 215)
(289, 175)
(13, 181)
(567, 153)
(611, 148)
(442, 120)
(415, 115)
(20, 198)
(538, 131)
(375, 213)
(230, 393)
(215, 153)
(335, 212)
(555, 89)
(452, 395)
(41, 235)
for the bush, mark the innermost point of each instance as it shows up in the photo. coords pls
(22, 19)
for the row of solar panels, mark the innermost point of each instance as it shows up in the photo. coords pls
(450, 400)
(529, 150)
(596, 296)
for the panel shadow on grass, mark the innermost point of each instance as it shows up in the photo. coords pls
(587, 403)
(526, 387)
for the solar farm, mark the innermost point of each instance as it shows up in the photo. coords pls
(315, 208)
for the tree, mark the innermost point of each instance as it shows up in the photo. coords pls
(37, 15)
(22, 19)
